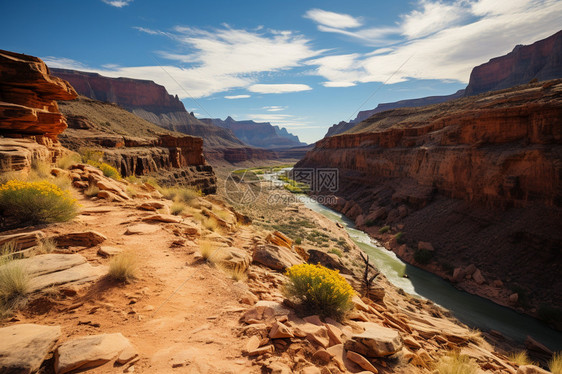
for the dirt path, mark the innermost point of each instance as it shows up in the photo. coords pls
(180, 314)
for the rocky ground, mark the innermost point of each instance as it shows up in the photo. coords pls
(186, 314)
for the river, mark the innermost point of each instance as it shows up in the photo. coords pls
(473, 310)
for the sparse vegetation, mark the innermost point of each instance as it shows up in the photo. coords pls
(384, 229)
(36, 202)
(177, 208)
(91, 191)
(69, 159)
(14, 280)
(455, 363)
(520, 358)
(555, 363)
(298, 241)
(319, 290)
(336, 251)
(123, 267)
(236, 274)
(46, 245)
(91, 155)
(210, 223)
(399, 237)
(423, 256)
(109, 171)
(210, 251)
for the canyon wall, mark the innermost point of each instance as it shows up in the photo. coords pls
(479, 178)
(541, 61)
(30, 120)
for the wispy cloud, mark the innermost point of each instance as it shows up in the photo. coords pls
(234, 97)
(64, 63)
(278, 88)
(331, 19)
(118, 3)
(440, 40)
(274, 108)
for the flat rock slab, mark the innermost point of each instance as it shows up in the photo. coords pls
(167, 218)
(375, 341)
(23, 240)
(89, 351)
(50, 263)
(24, 347)
(108, 251)
(80, 239)
(141, 228)
(275, 257)
(97, 210)
(76, 275)
(151, 205)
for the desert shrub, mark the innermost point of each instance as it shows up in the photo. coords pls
(123, 267)
(399, 237)
(423, 256)
(36, 202)
(520, 358)
(336, 251)
(225, 215)
(66, 161)
(91, 155)
(319, 290)
(298, 241)
(109, 171)
(177, 208)
(455, 363)
(384, 229)
(210, 251)
(132, 178)
(555, 363)
(14, 281)
(210, 223)
(180, 193)
(92, 191)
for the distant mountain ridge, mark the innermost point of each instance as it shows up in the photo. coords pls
(541, 60)
(258, 134)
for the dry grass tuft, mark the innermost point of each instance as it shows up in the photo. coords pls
(555, 363)
(14, 283)
(236, 274)
(66, 161)
(123, 267)
(210, 251)
(177, 208)
(520, 358)
(210, 223)
(91, 191)
(455, 363)
(46, 245)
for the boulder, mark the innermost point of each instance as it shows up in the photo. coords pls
(280, 239)
(80, 239)
(264, 310)
(375, 341)
(425, 246)
(329, 260)
(478, 277)
(89, 351)
(235, 259)
(105, 184)
(280, 331)
(151, 205)
(361, 361)
(23, 347)
(275, 257)
(109, 196)
(531, 369)
(458, 275)
(108, 251)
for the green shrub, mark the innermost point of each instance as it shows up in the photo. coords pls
(399, 237)
(319, 290)
(36, 202)
(384, 229)
(123, 267)
(336, 251)
(298, 241)
(109, 171)
(423, 256)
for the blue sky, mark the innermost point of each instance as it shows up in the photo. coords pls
(303, 65)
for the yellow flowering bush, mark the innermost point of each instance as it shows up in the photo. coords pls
(110, 171)
(36, 202)
(320, 290)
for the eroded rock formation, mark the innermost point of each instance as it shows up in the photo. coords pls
(479, 178)
(29, 111)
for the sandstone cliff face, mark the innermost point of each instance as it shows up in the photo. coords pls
(541, 60)
(479, 177)
(29, 111)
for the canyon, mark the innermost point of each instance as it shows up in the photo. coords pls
(152, 103)
(34, 128)
(478, 178)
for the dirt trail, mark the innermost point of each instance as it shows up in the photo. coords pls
(180, 314)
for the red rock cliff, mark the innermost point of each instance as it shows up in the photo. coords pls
(480, 178)
(541, 60)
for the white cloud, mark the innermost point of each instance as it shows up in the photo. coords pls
(64, 63)
(220, 60)
(118, 3)
(274, 108)
(234, 97)
(474, 32)
(278, 88)
(331, 19)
